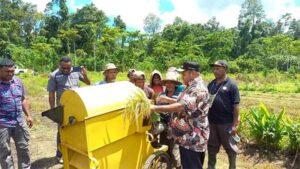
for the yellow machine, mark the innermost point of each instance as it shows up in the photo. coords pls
(96, 134)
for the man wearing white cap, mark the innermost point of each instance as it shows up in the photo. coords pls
(110, 74)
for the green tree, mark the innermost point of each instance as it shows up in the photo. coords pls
(152, 23)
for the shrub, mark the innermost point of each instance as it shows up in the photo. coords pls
(293, 133)
(265, 128)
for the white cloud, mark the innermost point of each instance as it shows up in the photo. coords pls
(229, 16)
(275, 10)
(41, 4)
(132, 12)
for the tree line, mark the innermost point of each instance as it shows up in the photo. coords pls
(37, 40)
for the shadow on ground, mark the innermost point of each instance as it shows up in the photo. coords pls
(45, 163)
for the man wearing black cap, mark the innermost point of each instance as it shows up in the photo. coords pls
(189, 123)
(223, 115)
(12, 105)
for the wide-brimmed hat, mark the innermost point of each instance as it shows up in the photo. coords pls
(171, 76)
(109, 66)
(189, 66)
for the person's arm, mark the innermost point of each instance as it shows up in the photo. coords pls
(236, 118)
(52, 87)
(235, 100)
(165, 99)
(52, 99)
(85, 78)
(175, 107)
(26, 110)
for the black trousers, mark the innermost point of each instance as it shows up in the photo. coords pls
(191, 159)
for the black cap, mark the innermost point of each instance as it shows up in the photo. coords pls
(220, 63)
(6, 62)
(189, 66)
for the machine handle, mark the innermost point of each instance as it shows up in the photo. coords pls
(150, 137)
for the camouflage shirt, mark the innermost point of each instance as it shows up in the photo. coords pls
(194, 99)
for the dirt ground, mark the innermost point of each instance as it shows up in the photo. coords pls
(43, 136)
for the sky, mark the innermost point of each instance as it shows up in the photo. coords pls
(133, 12)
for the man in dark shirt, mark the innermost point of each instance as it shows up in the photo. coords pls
(223, 115)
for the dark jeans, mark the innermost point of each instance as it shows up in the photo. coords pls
(191, 159)
(219, 136)
(20, 135)
(58, 152)
(173, 149)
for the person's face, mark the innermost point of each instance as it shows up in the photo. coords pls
(65, 67)
(140, 83)
(186, 76)
(7, 73)
(219, 71)
(111, 74)
(156, 80)
(170, 86)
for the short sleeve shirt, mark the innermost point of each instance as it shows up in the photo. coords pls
(11, 96)
(59, 82)
(227, 95)
(194, 99)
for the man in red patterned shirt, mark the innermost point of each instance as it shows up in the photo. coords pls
(190, 123)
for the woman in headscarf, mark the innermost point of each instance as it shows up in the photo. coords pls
(155, 82)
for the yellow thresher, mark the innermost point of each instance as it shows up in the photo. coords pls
(96, 134)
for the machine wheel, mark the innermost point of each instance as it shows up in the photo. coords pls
(158, 160)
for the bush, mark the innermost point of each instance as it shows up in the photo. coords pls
(266, 129)
(293, 133)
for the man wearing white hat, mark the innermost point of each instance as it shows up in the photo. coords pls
(110, 74)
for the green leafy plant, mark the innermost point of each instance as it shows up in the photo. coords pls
(293, 133)
(266, 128)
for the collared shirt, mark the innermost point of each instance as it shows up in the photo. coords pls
(194, 99)
(227, 95)
(59, 82)
(11, 96)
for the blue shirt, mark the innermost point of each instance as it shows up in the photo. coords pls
(11, 97)
(180, 88)
(221, 111)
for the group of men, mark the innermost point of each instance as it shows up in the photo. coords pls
(200, 117)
